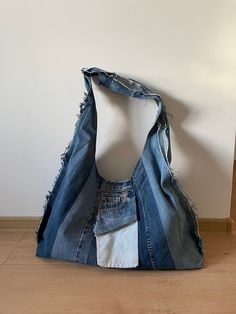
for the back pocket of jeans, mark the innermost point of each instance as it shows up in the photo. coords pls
(116, 231)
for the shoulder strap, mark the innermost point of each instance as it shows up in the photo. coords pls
(119, 84)
(132, 88)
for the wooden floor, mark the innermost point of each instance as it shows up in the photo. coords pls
(32, 285)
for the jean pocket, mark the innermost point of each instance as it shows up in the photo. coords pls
(116, 231)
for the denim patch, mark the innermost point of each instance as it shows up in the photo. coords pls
(116, 230)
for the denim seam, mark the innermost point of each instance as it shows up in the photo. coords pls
(149, 245)
(85, 224)
(81, 237)
(193, 218)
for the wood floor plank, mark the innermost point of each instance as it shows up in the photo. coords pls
(24, 252)
(218, 239)
(8, 241)
(42, 289)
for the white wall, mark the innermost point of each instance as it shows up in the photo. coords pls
(184, 49)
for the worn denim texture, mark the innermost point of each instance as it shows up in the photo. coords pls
(83, 205)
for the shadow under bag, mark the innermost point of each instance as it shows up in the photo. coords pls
(145, 222)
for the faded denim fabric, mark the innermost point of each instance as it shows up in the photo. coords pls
(116, 227)
(145, 222)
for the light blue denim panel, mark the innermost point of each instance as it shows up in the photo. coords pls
(116, 227)
(118, 247)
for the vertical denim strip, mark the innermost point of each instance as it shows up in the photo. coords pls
(67, 242)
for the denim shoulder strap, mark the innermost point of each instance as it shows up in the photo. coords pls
(119, 84)
(132, 88)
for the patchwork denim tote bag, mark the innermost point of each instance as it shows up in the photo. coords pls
(145, 222)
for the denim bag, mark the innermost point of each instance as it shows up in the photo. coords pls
(145, 222)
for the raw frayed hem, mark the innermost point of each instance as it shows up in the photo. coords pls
(64, 157)
(182, 190)
(82, 105)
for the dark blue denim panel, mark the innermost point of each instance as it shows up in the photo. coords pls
(92, 254)
(73, 228)
(143, 234)
(155, 238)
